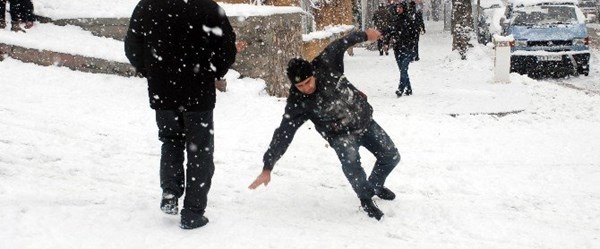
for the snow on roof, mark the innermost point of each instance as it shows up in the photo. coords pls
(489, 3)
(534, 2)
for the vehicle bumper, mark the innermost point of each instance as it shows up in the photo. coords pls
(576, 63)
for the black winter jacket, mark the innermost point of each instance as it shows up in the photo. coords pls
(335, 108)
(404, 32)
(181, 47)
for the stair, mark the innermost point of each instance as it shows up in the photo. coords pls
(87, 45)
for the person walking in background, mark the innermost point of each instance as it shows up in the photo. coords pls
(342, 115)
(403, 33)
(417, 15)
(381, 20)
(182, 48)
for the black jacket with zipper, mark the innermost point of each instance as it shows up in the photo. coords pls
(336, 107)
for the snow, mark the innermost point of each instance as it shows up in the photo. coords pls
(68, 9)
(484, 164)
(327, 32)
(68, 39)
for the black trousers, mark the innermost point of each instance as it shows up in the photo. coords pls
(192, 133)
(20, 10)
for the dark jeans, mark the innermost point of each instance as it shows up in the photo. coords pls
(403, 59)
(377, 141)
(191, 132)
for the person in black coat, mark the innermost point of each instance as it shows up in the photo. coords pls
(420, 24)
(404, 37)
(381, 20)
(182, 48)
(342, 115)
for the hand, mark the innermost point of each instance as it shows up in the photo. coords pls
(263, 178)
(240, 46)
(221, 85)
(372, 34)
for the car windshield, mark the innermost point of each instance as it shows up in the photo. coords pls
(544, 15)
(588, 4)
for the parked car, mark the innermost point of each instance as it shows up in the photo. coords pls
(590, 10)
(548, 37)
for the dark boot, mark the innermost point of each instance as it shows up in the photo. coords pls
(191, 219)
(16, 27)
(408, 92)
(399, 93)
(168, 204)
(385, 193)
(372, 210)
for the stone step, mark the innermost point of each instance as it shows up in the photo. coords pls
(67, 46)
(74, 62)
(115, 28)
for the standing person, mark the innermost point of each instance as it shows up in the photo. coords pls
(381, 20)
(417, 15)
(3, 14)
(182, 48)
(21, 11)
(341, 114)
(403, 34)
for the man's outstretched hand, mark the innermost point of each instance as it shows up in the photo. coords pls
(372, 34)
(263, 178)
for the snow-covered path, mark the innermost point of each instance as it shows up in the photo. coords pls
(79, 163)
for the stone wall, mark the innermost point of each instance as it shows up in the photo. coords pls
(272, 42)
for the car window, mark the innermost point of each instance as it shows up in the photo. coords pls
(544, 15)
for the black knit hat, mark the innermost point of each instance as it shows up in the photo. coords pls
(298, 70)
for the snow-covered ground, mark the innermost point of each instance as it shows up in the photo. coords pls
(79, 162)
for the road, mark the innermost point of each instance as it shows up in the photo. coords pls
(589, 84)
(594, 32)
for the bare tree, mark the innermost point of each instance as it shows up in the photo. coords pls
(462, 26)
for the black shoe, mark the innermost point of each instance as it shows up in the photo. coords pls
(168, 204)
(380, 53)
(16, 26)
(399, 93)
(385, 193)
(408, 92)
(386, 53)
(417, 59)
(191, 219)
(372, 210)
